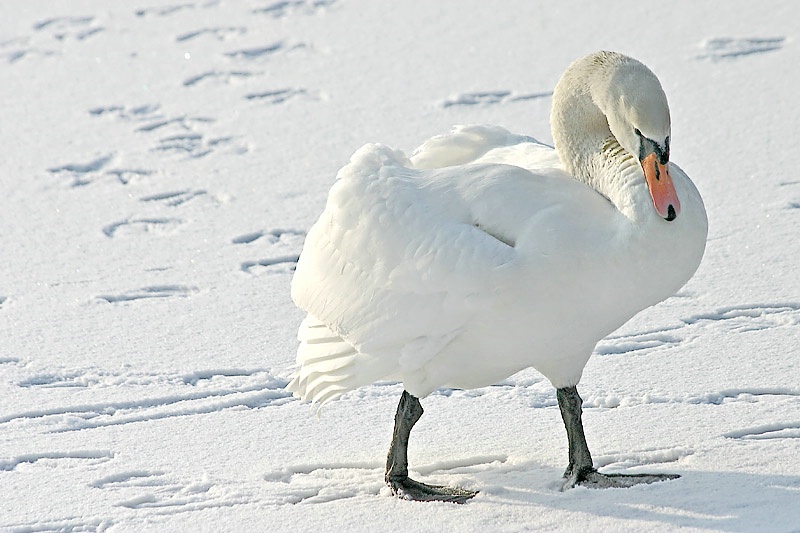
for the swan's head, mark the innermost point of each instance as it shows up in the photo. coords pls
(607, 92)
(638, 116)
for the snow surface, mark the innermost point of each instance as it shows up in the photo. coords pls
(160, 165)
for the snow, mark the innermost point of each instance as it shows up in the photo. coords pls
(160, 166)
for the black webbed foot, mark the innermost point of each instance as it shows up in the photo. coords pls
(595, 480)
(408, 489)
(580, 470)
(408, 412)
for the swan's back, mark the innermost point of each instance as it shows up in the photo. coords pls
(477, 144)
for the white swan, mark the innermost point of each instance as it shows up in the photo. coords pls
(487, 252)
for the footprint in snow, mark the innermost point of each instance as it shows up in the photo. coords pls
(105, 378)
(751, 317)
(276, 96)
(64, 524)
(69, 379)
(490, 98)
(776, 399)
(197, 393)
(83, 168)
(64, 28)
(220, 76)
(656, 456)
(249, 55)
(151, 117)
(196, 145)
(322, 483)
(163, 11)
(219, 374)
(726, 48)
(95, 456)
(641, 342)
(45, 31)
(140, 112)
(274, 236)
(135, 226)
(182, 123)
(174, 198)
(247, 238)
(259, 52)
(737, 319)
(283, 264)
(187, 136)
(146, 490)
(284, 8)
(218, 33)
(326, 482)
(780, 430)
(794, 204)
(284, 250)
(146, 293)
(82, 174)
(128, 175)
(19, 48)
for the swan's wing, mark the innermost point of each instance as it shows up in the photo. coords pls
(390, 270)
(464, 145)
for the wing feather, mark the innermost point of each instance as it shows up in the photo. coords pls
(389, 271)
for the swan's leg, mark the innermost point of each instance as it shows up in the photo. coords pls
(580, 460)
(409, 410)
(581, 470)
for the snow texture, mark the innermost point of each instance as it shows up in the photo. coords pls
(161, 165)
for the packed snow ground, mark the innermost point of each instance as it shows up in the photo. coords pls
(160, 166)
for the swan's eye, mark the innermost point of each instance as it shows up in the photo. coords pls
(637, 132)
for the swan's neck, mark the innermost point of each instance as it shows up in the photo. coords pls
(617, 175)
(590, 152)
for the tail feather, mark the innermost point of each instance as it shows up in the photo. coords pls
(330, 394)
(314, 382)
(329, 366)
(328, 363)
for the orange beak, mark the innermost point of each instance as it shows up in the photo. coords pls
(662, 190)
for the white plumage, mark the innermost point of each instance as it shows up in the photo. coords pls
(488, 252)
